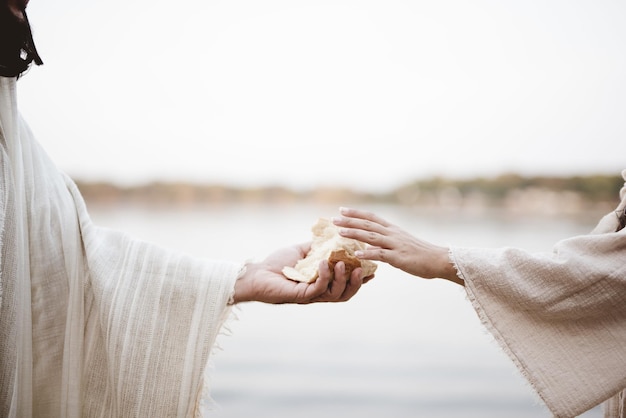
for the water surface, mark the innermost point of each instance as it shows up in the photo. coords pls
(402, 347)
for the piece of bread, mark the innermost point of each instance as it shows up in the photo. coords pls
(328, 245)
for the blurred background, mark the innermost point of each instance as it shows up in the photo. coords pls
(226, 128)
(365, 94)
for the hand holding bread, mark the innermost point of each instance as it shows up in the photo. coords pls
(328, 245)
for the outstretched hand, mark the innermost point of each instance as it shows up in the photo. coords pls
(391, 244)
(264, 281)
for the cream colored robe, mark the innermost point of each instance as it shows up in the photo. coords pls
(93, 323)
(560, 316)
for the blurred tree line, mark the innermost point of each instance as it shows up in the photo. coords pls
(508, 191)
(596, 188)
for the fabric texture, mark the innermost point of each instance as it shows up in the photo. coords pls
(560, 316)
(93, 323)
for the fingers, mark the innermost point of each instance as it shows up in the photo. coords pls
(338, 284)
(320, 286)
(363, 226)
(375, 254)
(346, 284)
(354, 284)
(368, 218)
(340, 287)
(356, 223)
(351, 229)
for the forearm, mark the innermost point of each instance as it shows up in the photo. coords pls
(425, 260)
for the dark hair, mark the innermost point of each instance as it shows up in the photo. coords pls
(17, 49)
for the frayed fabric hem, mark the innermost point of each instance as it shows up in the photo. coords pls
(495, 333)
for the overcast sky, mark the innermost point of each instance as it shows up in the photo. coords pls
(366, 94)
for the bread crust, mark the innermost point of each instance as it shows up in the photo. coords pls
(328, 245)
(350, 261)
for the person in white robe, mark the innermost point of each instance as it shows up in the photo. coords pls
(95, 323)
(560, 316)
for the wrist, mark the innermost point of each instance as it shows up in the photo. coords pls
(448, 268)
(244, 284)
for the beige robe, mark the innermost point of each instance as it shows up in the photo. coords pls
(560, 316)
(93, 323)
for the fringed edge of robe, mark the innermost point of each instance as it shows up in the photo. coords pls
(119, 326)
(558, 316)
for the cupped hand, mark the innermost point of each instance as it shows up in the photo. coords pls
(264, 281)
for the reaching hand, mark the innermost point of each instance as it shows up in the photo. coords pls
(264, 281)
(391, 244)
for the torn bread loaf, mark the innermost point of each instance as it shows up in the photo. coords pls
(329, 245)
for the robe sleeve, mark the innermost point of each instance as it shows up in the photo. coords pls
(94, 323)
(560, 316)
(151, 318)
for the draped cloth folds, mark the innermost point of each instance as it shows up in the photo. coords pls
(93, 323)
(560, 316)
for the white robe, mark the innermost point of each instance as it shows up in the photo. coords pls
(93, 323)
(560, 316)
